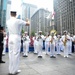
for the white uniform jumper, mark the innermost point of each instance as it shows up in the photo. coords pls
(14, 28)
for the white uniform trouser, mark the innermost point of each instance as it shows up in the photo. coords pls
(52, 50)
(66, 50)
(62, 46)
(25, 47)
(14, 52)
(46, 47)
(58, 46)
(35, 46)
(70, 49)
(40, 49)
(4, 47)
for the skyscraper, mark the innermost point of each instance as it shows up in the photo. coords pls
(64, 15)
(3, 5)
(39, 21)
(27, 11)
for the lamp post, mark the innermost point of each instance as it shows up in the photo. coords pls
(49, 17)
(61, 22)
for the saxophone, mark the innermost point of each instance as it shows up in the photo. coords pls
(65, 40)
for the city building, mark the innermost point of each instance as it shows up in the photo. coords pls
(27, 11)
(64, 15)
(39, 21)
(3, 5)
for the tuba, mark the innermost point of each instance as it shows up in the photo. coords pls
(53, 31)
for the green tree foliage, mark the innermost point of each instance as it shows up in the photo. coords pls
(32, 33)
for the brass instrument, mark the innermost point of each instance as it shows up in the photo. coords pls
(65, 41)
(24, 38)
(51, 40)
(53, 31)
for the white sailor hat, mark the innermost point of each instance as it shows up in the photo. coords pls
(35, 33)
(40, 31)
(13, 8)
(25, 32)
(65, 31)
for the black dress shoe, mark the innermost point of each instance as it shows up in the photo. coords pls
(51, 56)
(3, 54)
(54, 57)
(39, 56)
(25, 56)
(2, 61)
(35, 53)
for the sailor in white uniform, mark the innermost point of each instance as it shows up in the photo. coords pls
(40, 44)
(70, 44)
(26, 41)
(58, 44)
(52, 45)
(65, 40)
(35, 44)
(47, 41)
(14, 28)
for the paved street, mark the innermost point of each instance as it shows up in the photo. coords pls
(42, 66)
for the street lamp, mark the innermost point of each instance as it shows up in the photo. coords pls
(50, 18)
(61, 22)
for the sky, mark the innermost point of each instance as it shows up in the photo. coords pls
(46, 4)
(41, 3)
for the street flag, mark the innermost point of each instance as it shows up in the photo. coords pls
(53, 14)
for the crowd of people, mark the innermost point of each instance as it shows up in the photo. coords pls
(54, 44)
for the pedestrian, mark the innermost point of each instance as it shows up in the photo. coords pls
(4, 46)
(14, 26)
(1, 43)
(26, 42)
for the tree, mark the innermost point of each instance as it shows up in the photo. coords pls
(32, 33)
(22, 31)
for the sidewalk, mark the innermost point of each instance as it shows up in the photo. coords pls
(32, 65)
